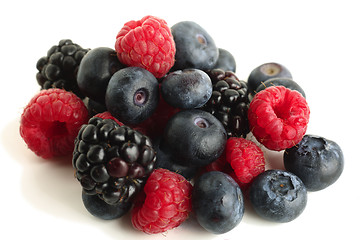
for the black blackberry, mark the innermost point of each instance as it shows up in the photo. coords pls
(59, 68)
(229, 102)
(112, 161)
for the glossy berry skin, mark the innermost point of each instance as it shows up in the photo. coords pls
(100, 209)
(186, 89)
(95, 71)
(229, 102)
(217, 202)
(194, 137)
(195, 48)
(264, 72)
(286, 82)
(278, 195)
(317, 161)
(59, 68)
(226, 61)
(132, 95)
(164, 159)
(112, 161)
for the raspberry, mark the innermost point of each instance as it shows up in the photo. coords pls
(51, 121)
(242, 160)
(166, 203)
(107, 115)
(246, 159)
(278, 117)
(147, 43)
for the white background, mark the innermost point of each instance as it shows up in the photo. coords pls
(318, 41)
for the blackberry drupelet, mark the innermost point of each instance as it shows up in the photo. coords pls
(112, 161)
(229, 102)
(59, 68)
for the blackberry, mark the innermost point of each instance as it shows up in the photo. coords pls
(112, 161)
(229, 102)
(58, 69)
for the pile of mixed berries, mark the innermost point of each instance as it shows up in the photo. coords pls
(162, 127)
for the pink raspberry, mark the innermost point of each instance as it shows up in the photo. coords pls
(166, 202)
(242, 159)
(278, 117)
(147, 43)
(246, 159)
(51, 121)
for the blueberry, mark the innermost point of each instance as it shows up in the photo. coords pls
(317, 161)
(286, 82)
(132, 95)
(95, 71)
(217, 202)
(278, 195)
(195, 48)
(98, 208)
(186, 89)
(95, 107)
(194, 137)
(226, 61)
(264, 72)
(164, 159)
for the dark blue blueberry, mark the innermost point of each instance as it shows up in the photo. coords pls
(195, 48)
(194, 137)
(95, 71)
(278, 195)
(132, 95)
(226, 61)
(95, 107)
(165, 160)
(186, 89)
(217, 202)
(265, 72)
(317, 161)
(98, 208)
(286, 82)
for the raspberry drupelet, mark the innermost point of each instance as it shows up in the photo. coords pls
(50, 122)
(278, 117)
(246, 159)
(147, 43)
(166, 202)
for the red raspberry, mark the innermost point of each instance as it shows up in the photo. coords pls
(278, 117)
(166, 205)
(246, 159)
(107, 115)
(147, 43)
(51, 121)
